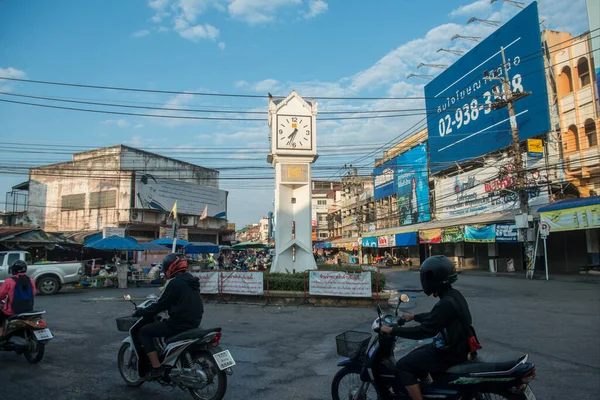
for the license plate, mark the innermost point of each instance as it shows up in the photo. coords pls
(43, 334)
(224, 359)
(529, 394)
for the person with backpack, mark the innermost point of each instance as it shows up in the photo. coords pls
(449, 323)
(18, 290)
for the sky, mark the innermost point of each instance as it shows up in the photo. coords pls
(334, 48)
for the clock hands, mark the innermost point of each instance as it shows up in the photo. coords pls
(292, 136)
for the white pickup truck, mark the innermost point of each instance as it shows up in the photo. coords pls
(48, 277)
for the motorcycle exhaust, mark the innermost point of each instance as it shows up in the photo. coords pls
(190, 378)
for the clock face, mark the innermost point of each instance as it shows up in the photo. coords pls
(294, 132)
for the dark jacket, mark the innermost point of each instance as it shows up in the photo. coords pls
(443, 323)
(181, 298)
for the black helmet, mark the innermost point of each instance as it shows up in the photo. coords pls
(18, 267)
(437, 272)
(174, 264)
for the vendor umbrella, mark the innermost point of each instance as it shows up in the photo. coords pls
(169, 242)
(116, 243)
(151, 246)
(201, 248)
(249, 245)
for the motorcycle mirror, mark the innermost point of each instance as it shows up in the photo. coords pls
(127, 297)
(379, 309)
(404, 298)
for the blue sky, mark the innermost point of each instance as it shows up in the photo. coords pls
(329, 48)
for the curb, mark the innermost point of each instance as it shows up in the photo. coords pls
(591, 279)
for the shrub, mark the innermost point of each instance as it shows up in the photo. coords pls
(295, 282)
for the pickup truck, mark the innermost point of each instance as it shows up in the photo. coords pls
(48, 277)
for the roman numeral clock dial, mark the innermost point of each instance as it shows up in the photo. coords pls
(294, 132)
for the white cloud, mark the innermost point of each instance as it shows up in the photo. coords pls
(142, 33)
(472, 9)
(162, 29)
(266, 85)
(10, 72)
(136, 141)
(258, 11)
(199, 32)
(316, 7)
(121, 123)
(222, 45)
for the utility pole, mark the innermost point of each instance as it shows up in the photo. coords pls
(508, 99)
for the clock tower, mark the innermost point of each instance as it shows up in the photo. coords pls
(293, 150)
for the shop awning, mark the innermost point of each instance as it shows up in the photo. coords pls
(571, 215)
(322, 245)
(406, 239)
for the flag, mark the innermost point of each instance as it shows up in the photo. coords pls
(174, 210)
(204, 213)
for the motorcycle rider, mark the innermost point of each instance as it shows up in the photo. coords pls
(450, 345)
(181, 298)
(21, 285)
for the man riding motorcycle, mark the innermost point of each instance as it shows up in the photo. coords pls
(18, 290)
(181, 298)
(446, 322)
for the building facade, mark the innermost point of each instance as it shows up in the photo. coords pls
(323, 197)
(124, 187)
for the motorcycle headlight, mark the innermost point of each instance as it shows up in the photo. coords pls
(375, 324)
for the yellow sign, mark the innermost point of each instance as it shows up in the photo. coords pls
(231, 227)
(535, 146)
(572, 219)
(294, 173)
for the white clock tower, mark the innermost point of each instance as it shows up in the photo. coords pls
(293, 149)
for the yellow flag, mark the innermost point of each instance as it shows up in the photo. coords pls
(174, 210)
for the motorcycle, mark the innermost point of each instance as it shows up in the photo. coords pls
(26, 334)
(370, 365)
(192, 360)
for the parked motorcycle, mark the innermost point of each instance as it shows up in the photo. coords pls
(368, 372)
(26, 334)
(192, 360)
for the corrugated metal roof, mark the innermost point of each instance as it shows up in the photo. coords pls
(8, 232)
(562, 205)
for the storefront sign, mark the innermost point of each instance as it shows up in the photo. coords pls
(406, 239)
(382, 241)
(453, 234)
(182, 233)
(369, 241)
(328, 283)
(430, 236)
(486, 190)
(571, 219)
(209, 282)
(112, 231)
(231, 227)
(480, 233)
(535, 147)
(242, 283)
(507, 233)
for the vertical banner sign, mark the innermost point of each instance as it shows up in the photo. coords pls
(413, 186)
(464, 126)
(385, 179)
(209, 282)
(330, 283)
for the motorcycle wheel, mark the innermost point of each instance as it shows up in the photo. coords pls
(128, 366)
(216, 389)
(347, 381)
(35, 353)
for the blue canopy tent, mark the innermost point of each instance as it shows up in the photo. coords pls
(151, 246)
(169, 242)
(114, 243)
(201, 248)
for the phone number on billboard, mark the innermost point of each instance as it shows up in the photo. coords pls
(470, 111)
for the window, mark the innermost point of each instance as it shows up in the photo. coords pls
(71, 202)
(583, 69)
(2, 255)
(28, 259)
(12, 257)
(571, 140)
(323, 235)
(590, 132)
(322, 217)
(321, 202)
(106, 199)
(565, 81)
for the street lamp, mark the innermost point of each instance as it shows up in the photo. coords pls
(513, 2)
(475, 39)
(440, 66)
(455, 52)
(419, 76)
(484, 21)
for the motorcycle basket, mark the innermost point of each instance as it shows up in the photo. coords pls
(352, 344)
(124, 324)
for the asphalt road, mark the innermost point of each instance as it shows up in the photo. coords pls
(289, 352)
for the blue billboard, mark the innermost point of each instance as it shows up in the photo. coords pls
(461, 124)
(385, 179)
(413, 186)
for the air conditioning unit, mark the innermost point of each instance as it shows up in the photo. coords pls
(136, 216)
(187, 221)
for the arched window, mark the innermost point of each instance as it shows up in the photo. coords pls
(571, 139)
(583, 70)
(565, 81)
(590, 132)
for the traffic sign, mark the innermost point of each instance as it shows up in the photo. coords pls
(544, 229)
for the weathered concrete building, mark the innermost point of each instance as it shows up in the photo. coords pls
(124, 187)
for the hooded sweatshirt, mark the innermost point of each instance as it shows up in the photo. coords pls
(8, 289)
(181, 298)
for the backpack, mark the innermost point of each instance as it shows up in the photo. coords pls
(22, 298)
(472, 340)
